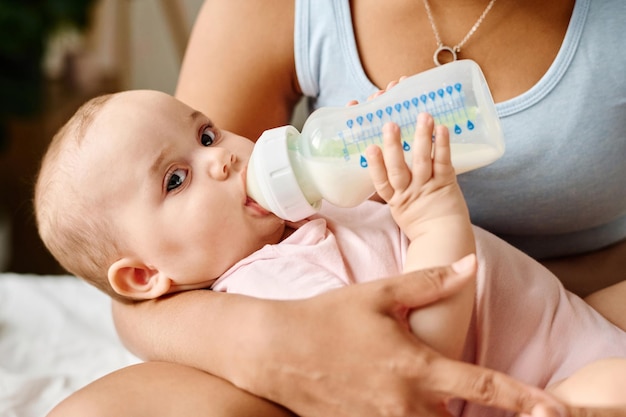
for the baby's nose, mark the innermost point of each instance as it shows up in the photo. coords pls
(221, 163)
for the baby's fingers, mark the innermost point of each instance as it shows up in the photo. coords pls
(378, 172)
(398, 172)
(422, 148)
(442, 156)
(388, 169)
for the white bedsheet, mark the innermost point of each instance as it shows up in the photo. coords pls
(56, 335)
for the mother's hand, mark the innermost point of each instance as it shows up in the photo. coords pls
(348, 352)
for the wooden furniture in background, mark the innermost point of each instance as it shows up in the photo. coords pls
(19, 163)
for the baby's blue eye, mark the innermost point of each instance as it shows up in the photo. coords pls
(208, 137)
(176, 179)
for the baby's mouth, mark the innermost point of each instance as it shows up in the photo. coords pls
(256, 206)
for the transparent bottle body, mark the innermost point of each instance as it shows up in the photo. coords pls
(327, 160)
(333, 140)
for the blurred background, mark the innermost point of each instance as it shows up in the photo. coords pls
(55, 55)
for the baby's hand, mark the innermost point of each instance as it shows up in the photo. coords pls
(426, 190)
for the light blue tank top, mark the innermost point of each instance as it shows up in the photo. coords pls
(560, 187)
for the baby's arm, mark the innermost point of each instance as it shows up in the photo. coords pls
(598, 384)
(427, 203)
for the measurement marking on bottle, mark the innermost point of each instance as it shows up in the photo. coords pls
(447, 105)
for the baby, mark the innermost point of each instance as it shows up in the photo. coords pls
(143, 196)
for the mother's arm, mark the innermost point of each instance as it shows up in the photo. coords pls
(239, 67)
(348, 352)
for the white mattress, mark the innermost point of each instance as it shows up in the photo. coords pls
(56, 335)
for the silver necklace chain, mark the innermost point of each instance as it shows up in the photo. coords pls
(453, 50)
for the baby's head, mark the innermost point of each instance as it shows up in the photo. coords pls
(142, 196)
(82, 242)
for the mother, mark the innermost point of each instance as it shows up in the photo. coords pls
(556, 75)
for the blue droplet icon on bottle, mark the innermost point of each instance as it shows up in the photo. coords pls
(363, 162)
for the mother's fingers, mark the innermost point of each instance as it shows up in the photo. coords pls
(488, 387)
(427, 285)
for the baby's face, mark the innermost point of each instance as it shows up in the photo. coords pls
(176, 186)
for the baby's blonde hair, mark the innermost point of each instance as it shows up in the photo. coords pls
(84, 244)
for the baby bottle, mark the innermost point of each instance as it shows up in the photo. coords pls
(290, 173)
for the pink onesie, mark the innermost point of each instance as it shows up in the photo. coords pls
(524, 324)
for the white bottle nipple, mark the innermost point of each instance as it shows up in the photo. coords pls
(271, 180)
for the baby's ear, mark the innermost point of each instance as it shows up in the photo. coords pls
(130, 277)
